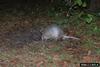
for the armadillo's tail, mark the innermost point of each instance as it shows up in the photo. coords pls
(67, 37)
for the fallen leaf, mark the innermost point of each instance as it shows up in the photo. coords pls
(87, 59)
(77, 65)
(39, 64)
(14, 61)
(65, 64)
(97, 58)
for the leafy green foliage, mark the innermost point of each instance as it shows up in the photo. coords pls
(98, 51)
(84, 4)
(89, 43)
(55, 49)
(88, 18)
(50, 58)
(80, 3)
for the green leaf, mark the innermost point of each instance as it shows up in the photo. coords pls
(84, 4)
(88, 18)
(79, 2)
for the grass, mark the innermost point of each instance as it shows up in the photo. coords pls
(98, 51)
(89, 43)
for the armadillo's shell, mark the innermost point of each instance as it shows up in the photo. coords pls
(52, 32)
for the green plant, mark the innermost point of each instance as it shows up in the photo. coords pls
(89, 43)
(88, 18)
(56, 49)
(80, 3)
(50, 59)
(98, 51)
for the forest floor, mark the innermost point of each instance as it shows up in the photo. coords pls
(17, 49)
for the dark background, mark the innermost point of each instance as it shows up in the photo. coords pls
(92, 4)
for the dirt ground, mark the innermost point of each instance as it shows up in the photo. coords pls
(21, 45)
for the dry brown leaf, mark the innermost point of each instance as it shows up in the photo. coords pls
(97, 58)
(3, 64)
(39, 64)
(65, 64)
(77, 65)
(87, 59)
(56, 57)
(14, 61)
